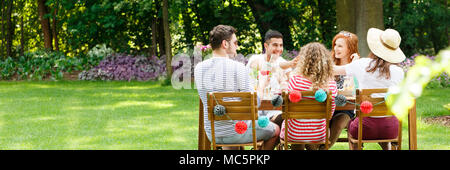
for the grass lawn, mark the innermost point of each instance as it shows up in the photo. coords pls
(137, 115)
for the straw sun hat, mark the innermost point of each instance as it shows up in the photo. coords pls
(385, 44)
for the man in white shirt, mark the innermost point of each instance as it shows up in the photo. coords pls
(221, 74)
(278, 67)
(269, 61)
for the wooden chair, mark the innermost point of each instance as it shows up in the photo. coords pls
(203, 142)
(244, 109)
(305, 109)
(378, 110)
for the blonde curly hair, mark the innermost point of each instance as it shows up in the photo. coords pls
(315, 64)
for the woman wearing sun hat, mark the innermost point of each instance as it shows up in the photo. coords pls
(379, 70)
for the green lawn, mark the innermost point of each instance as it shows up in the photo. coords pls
(136, 115)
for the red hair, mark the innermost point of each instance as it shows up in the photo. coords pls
(352, 44)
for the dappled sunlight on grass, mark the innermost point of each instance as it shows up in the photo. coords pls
(80, 142)
(40, 86)
(126, 104)
(137, 87)
(44, 118)
(153, 104)
(20, 146)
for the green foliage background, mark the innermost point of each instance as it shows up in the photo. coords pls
(126, 25)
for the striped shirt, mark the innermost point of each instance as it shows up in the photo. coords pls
(220, 74)
(307, 130)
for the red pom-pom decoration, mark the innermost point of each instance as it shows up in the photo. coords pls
(240, 127)
(366, 107)
(295, 96)
(265, 73)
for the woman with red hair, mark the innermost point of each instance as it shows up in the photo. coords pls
(344, 49)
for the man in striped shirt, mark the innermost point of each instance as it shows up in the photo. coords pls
(221, 74)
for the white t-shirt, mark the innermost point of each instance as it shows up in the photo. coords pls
(278, 79)
(368, 80)
(371, 80)
(261, 59)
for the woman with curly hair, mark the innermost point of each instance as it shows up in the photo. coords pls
(314, 71)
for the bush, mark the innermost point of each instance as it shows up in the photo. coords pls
(7, 68)
(126, 67)
(441, 81)
(37, 66)
(94, 56)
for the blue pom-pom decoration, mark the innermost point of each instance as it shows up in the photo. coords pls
(219, 110)
(277, 101)
(320, 95)
(386, 96)
(340, 100)
(263, 121)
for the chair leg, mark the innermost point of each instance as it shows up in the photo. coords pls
(280, 146)
(395, 146)
(350, 146)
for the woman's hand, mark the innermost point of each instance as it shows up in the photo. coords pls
(354, 57)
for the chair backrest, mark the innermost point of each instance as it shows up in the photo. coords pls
(306, 109)
(379, 109)
(371, 95)
(238, 106)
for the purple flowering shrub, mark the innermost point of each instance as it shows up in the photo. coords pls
(442, 80)
(289, 55)
(126, 67)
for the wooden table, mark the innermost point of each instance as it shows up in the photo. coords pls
(204, 143)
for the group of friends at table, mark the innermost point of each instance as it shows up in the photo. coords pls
(315, 67)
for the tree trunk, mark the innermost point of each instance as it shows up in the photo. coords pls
(280, 20)
(153, 48)
(45, 24)
(54, 30)
(2, 34)
(159, 29)
(168, 49)
(187, 21)
(345, 15)
(258, 9)
(369, 15)
(407, 31)
(358, 16)
(446, 28)
(22, 37)
(10, 28)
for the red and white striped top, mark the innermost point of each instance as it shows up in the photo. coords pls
(307, 130)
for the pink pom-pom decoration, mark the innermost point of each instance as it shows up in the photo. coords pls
(366, 107)
(295, 96)
(240, 127)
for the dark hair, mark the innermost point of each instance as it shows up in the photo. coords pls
(272, 34)
(380, 65)
(220, 33)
